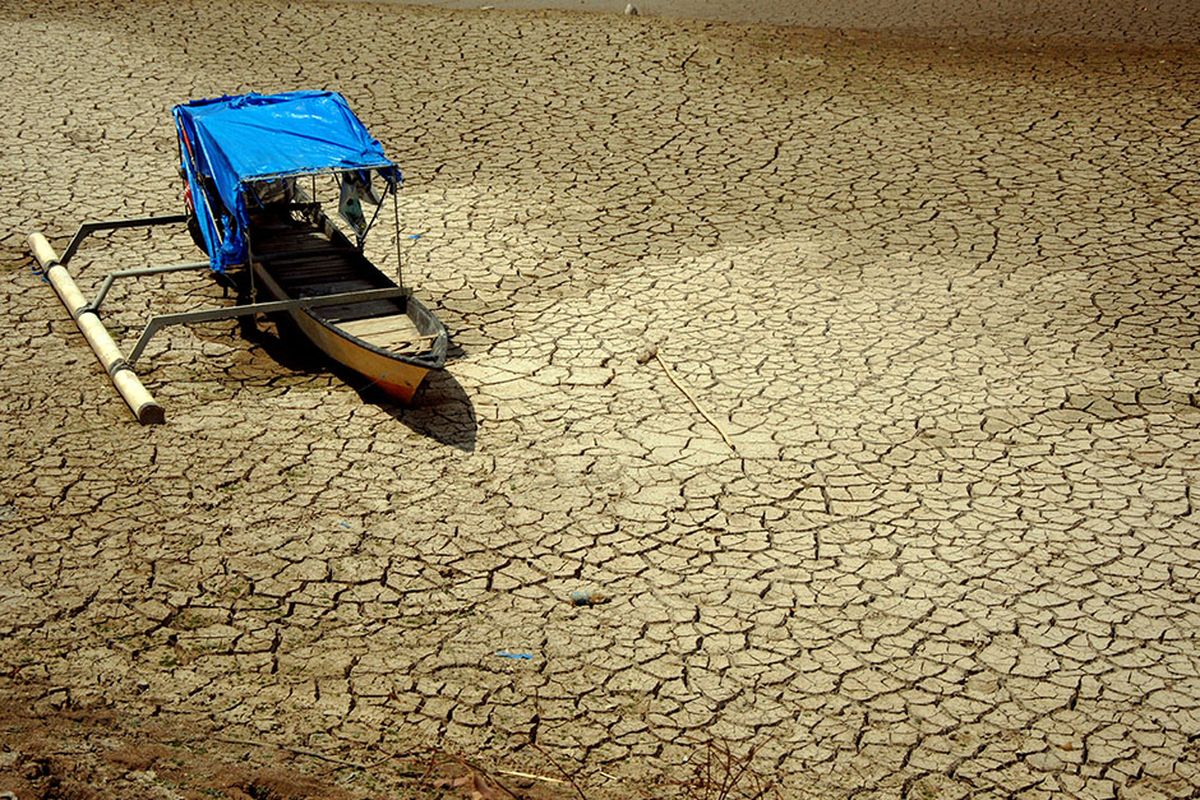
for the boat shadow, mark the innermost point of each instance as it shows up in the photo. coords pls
(441, 409)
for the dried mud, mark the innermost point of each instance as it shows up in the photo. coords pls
(942, 294)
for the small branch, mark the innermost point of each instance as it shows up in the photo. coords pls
(696, 403)
(466, 762)
(529, 775)
(561, 771)
(297, 750)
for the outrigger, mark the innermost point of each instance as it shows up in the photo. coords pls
(244, 161)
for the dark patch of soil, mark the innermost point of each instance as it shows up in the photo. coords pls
(94, 754)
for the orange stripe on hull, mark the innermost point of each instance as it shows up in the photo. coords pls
(403, 393)
(398, 379)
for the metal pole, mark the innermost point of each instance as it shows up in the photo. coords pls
(396, 218)
(211, 314)
(134, 273)
(250, 260)
(88, 228)
(144, 407)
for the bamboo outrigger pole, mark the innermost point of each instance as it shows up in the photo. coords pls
(144, 407)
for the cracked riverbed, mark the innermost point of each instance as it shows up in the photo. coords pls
(940, 293)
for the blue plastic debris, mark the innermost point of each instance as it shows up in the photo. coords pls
(516, 656)
(588, 597)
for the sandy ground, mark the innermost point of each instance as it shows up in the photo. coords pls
(1126, 21)
(941, 294)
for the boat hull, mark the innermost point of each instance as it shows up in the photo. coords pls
(394, 343)
(397, 379)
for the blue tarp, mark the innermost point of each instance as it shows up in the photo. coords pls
(228, 142)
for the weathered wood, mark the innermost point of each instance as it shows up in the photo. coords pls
(394, 357)
(341, 314)
(395, 323)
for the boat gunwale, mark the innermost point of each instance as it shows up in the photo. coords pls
(441, 339)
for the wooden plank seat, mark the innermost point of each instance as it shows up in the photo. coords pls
(392, 332)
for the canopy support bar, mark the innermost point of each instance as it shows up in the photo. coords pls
(144, 407)
(161, 321)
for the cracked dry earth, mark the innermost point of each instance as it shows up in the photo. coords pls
(941, 294)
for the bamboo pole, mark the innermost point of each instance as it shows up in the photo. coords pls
(144, 407)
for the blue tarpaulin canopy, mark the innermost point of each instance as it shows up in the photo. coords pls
(229, 142)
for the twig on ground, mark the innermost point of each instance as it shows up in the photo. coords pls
(529, 775)
(720, 774)
(478, 770)
(652, 353)
(563, 772)
(297, 750)
(433, 753)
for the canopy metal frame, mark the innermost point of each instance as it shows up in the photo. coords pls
(390, 187)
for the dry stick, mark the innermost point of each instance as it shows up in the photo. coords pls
(408, 773)
(704, 777)
(529, 775)
(562, 771)
(537, 701)
(743, 765)
(695, 402)
(298, 750)
(471, 765)
(433, 754)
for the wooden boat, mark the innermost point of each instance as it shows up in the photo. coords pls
(394, 342)
(242, 159)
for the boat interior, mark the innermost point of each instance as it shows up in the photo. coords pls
(297, 252)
